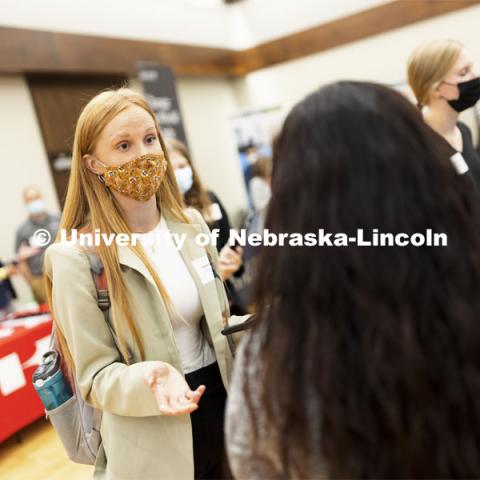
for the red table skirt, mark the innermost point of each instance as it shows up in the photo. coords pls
(22, 343)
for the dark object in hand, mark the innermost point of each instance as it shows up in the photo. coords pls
(246, 325)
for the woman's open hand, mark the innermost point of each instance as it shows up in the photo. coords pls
(172, 393)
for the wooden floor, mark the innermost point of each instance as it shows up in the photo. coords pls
(37, 454)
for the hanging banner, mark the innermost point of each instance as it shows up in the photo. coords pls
(254, 132)
(160, 92)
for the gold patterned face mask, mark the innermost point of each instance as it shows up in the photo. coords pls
(138, 179)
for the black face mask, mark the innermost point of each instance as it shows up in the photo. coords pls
(469, 94)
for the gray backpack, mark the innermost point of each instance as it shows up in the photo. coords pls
(76, 423)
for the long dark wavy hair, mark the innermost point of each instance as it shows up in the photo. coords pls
(370, 356)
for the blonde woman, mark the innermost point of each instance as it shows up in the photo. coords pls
(443, 78)
(163, 412)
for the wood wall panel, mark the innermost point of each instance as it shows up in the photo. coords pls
(24, 51)
(58, 100)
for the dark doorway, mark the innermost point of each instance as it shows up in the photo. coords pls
(58, 100)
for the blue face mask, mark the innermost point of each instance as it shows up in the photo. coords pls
(184, 178)
(36, 206)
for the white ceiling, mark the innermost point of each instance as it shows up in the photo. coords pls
(266, 20)
(196, 22)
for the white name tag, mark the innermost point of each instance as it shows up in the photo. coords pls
(204, 269)
(215, 212)
(459, 163)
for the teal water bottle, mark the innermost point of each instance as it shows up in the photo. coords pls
(48, 380)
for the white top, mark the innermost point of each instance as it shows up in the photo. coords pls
(195, 351)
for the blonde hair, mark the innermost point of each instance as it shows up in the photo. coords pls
(90, 205)
(429, 64)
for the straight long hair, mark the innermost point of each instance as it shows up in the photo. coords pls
(89, 205)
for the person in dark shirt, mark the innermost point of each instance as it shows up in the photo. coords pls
(442, 76)
(7, 292)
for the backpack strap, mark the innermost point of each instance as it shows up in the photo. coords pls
(103, 298)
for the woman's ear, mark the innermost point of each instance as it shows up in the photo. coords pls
(92, 164)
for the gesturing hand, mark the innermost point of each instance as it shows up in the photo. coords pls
(26, 251)
(172, 393)
(229, 261)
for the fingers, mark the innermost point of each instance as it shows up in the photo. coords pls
(226, 272)
(231, 256)
(172, 394)
(171, 411)
(197, 394)
(228, 267)
(26, 251)
(194, 396)
(182, 405)
(229, 263)
(178, 406)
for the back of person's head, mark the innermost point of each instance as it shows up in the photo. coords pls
(31, 192)
(263, 167)
(372, 352)
(429, 64)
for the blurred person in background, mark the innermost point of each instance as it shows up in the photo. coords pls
(7, 292)
(29, 251)
(168, 306)
(444, 80)
(209, 205)
(259, 185)
(364, 362)
(260, 193)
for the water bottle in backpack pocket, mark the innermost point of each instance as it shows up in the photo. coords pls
(50, 383)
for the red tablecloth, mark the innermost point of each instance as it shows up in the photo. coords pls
(22, 343)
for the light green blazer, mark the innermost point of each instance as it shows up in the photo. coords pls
(138, 443)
